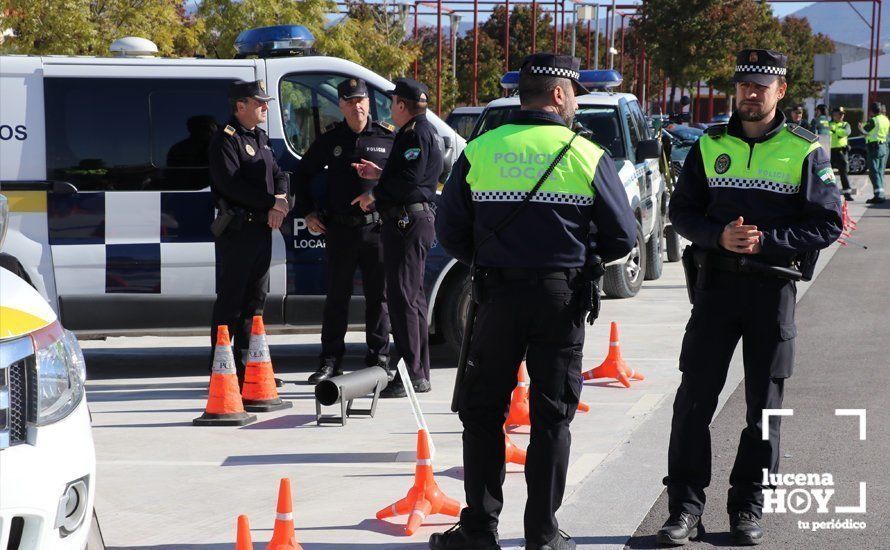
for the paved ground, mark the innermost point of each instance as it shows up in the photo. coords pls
(165, 484)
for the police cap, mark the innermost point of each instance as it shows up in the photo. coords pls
(761, 67)
(559, 66)
(255, 89)
(352, 88)
(837, 110)
(408, 88)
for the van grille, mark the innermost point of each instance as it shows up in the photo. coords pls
(18, 395)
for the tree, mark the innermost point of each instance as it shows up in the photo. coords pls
(520, 32)
(381, 39)
(77, 27)
(427, 74)
(490, 71)
(800, 45)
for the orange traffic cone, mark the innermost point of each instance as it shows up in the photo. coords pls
(519, 415)
(614, 366)
(243, 542)
(425, 497)
(224, 406)
(259, 393)
(512, 453)
(283, 536)
(583, 407)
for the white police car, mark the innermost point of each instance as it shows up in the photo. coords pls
(47, 460)
(105, 164)
(619, 126)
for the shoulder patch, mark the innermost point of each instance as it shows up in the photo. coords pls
(229, 130)
(802, 133)
(716, 130)
(385, 125)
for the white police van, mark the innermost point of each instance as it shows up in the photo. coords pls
(47, 460)
(618, 125)
(105, 164)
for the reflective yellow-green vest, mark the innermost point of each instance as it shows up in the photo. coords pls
(820, 124)
(773, 165)
(839, 133)
(880, 129)
(507, 162)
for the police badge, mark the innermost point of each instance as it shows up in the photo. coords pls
(721, 165)
(249, 148)
(752, 57)
(338, 151)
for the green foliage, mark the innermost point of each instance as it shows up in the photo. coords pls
(78, 27)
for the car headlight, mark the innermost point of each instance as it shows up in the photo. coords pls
(4, 219)
(61, 373)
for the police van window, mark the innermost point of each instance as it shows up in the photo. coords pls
(381, 106)
(640, 120)
(633, 130)
(143, 138)
(494, 118)
(308, 105)
(603, 122)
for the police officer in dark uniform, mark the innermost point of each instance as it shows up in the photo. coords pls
(407, 186)
(536, 276)
(352, 236)
(250, 193)
(758, 200)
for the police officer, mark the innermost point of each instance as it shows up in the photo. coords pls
(819, 124)
(877, 131)
(796, 116)
(531, 305)
(352, 236)
(407, 186)
(840, 130)
(250, 192)
(753, 195)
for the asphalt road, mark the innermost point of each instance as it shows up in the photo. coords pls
(841, 364)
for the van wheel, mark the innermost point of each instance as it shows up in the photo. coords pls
(94, 539)
(624, 280)
(672, 243)
(655, 251)
(455, 303)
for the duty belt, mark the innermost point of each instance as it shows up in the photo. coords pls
(354, 220)
(252, 217)
(508, 274)
(401, 210)
(743, 264)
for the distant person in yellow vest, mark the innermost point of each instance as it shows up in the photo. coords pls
(876, 131)
(840, 130)
(819, 124)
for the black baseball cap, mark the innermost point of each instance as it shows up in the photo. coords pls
(352, 88)
(761, 67)
(548, 64)
(798, 107)
(408, 88)
(837, 110)
(255, 89)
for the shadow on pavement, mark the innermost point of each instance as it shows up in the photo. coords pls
(310, 458)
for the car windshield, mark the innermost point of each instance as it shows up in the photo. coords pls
(463, 123)
(601, 121)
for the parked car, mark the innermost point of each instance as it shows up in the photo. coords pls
(681, 139)
(463, 119)
(857, 155)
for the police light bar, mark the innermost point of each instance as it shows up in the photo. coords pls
(274, 41)
(601, 79)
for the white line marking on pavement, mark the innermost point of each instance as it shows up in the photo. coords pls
(854, 412)
(645, 404)
(583, 466)
(204, 464)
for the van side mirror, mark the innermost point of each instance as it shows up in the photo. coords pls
(648, 149)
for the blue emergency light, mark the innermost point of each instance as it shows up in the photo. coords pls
(279, 40)
(598, 80)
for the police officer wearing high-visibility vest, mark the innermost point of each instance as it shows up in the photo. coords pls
(352, 237)
(533, 261)
(877, 131)
(819, 124)
(403, 195)
(758, 200)
(250, 193)
(840, 130)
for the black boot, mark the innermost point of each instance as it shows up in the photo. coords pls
(744, 529)
(328, 369)
(422, 385)
(848, 197)
(394, 389)
(680, 529)
(561, 541)
(457, 538)
(875, 200)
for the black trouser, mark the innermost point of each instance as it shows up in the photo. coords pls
(730, 306)
(538, 321)
(404, 255)
(347, 248)
(243, 255)
(840, 162)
